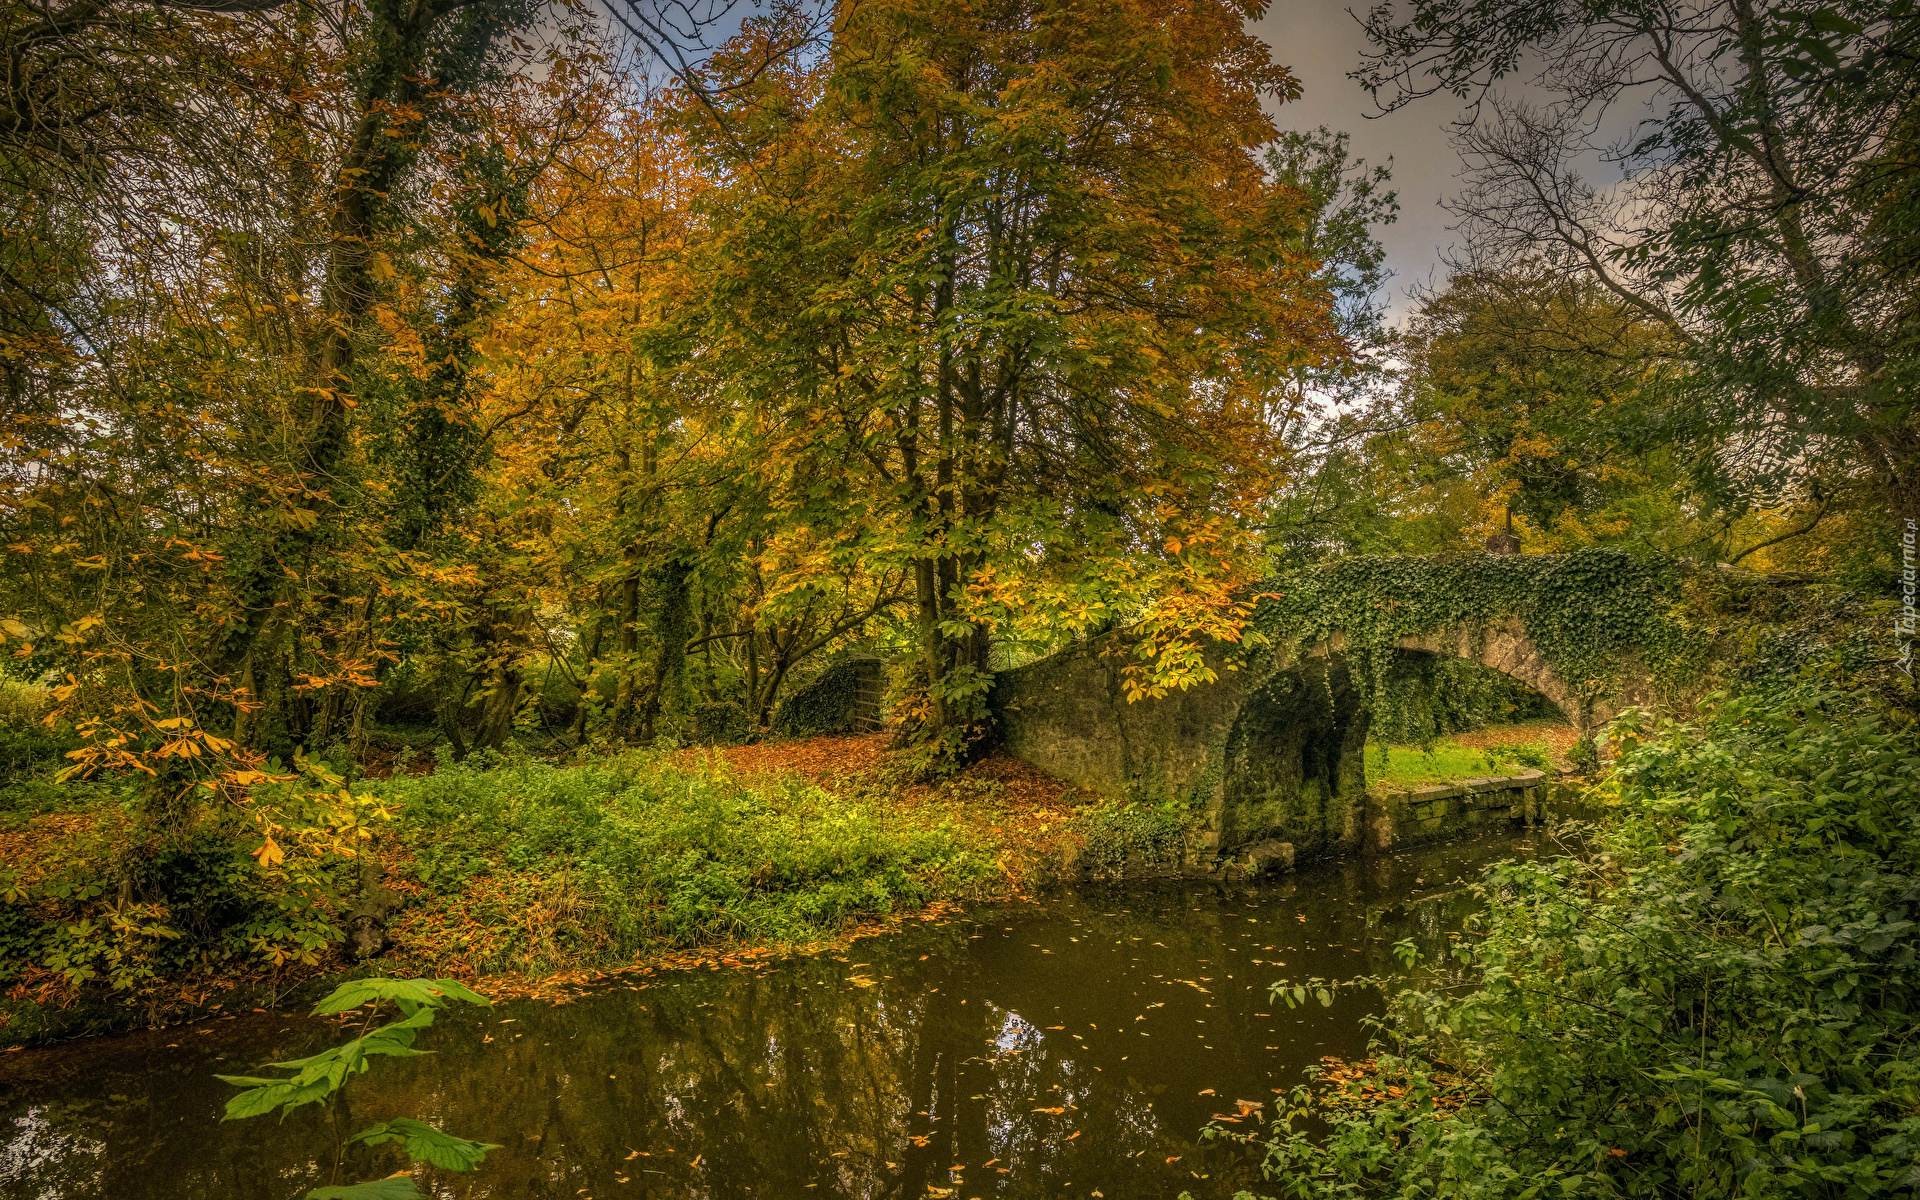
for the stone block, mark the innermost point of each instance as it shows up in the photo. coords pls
(1269, 857)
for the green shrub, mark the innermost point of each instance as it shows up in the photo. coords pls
(1722, 1000)
(1528, 754)
(23, 705)
(724, 723)
(28, 749)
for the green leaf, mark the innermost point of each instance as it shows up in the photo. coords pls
(456, 991)
(263, 1100)
(424, 1143)
(354, 993)
(395, 1187)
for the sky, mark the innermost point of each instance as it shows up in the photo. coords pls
(1320, 41)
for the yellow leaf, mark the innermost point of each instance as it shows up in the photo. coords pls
(270, 854)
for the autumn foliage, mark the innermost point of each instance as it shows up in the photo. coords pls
(428, 368)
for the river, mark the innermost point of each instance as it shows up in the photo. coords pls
(1070, 1047)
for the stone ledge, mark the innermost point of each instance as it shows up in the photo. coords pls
(1461, 787)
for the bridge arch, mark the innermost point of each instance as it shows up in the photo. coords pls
(1273, 748)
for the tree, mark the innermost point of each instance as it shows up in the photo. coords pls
(194, 515)
(1767, 216)
(1542, 393)
(1011, 289)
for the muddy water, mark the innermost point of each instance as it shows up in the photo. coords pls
(1072, 1047)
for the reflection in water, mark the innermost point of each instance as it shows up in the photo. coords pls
(1063, 1048)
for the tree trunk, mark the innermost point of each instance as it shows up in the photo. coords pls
(504, 679)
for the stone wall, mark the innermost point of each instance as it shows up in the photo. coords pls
(1394, 818)
(1258, 755)
(1401, 817)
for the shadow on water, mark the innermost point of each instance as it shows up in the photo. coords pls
(1071, 1047)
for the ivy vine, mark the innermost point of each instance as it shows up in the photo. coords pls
(1587, 612)
(833, 702)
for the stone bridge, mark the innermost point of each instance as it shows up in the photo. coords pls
(1271, 751)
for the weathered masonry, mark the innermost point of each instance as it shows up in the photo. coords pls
(1271, 753)
(1395, 818)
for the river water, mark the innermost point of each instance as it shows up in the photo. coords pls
(1070, 1047)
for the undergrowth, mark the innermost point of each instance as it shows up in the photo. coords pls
(1119, 837)
(633, 852)
(506, 867)
(1720, 1001)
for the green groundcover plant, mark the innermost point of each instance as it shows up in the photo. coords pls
(1718, 999)
(661, 854)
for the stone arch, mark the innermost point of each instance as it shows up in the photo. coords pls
(1504, 646)
(1273, 750)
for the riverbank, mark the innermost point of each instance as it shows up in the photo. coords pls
(515, 876)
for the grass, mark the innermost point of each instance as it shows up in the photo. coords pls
(532, 868)
(1407, 765)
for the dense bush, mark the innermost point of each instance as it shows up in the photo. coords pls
(658, 853)
(721, 723)
(131, 915)
(28, 749)
(527, 867)
(1722, 1000)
